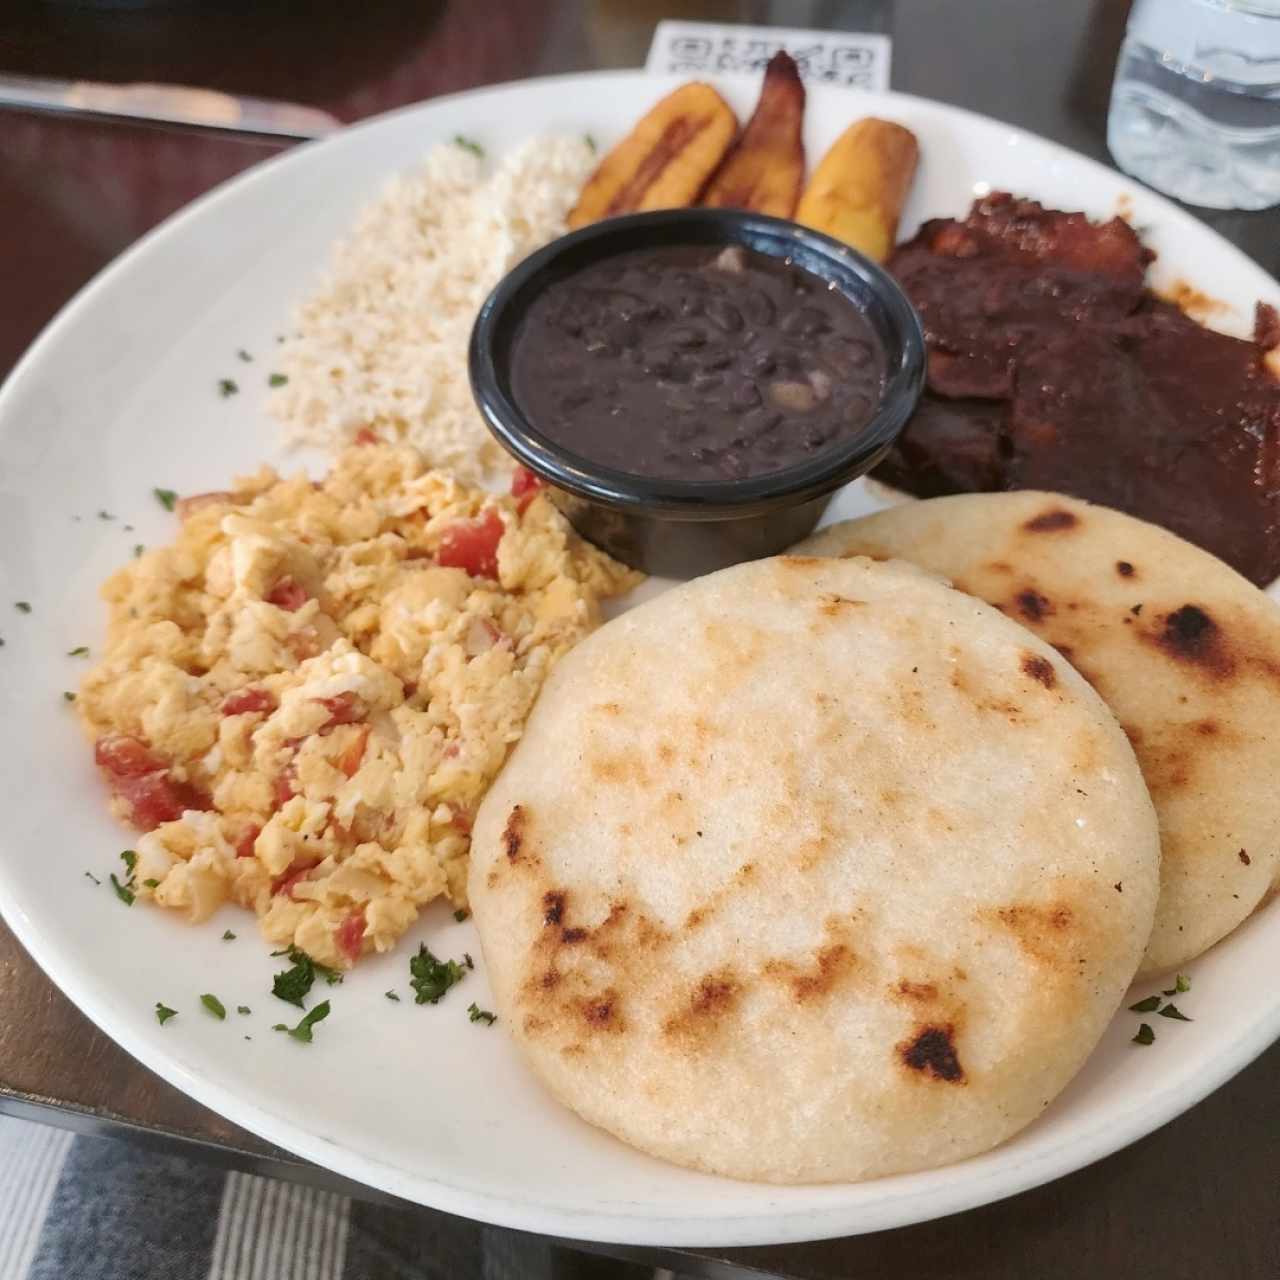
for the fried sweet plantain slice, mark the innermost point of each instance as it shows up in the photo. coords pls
(665, 161)
(765, 170)
(857, 192)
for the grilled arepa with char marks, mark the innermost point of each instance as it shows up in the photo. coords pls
(1184, 650)
(813, 870)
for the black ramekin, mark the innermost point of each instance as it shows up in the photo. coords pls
(681, 528)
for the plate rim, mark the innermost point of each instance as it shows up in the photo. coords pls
(643, 1228)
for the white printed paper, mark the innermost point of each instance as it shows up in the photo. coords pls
(844, 58)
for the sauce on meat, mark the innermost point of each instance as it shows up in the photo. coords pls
(686, 362)
(1053, 366)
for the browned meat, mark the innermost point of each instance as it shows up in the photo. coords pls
(1052, 367)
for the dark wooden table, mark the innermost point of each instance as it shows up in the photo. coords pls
(1195, 1200)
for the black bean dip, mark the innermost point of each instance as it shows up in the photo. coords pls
(690, 362)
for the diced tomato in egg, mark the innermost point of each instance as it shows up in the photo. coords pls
(353, 754)
(125, 757)
(343, 708)
(244, 701)
(287, 594)
(154, 798)
(524, 488)
(350, 934)
(472, 545)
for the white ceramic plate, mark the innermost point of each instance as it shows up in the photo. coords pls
(118, 396)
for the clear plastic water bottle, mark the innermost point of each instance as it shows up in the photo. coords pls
(1195, 107)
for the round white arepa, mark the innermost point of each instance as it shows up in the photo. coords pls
(1184, 650)
(813, 870)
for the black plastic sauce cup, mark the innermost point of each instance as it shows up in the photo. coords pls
(681, 528)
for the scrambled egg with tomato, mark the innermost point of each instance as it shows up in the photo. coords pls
(305, 697)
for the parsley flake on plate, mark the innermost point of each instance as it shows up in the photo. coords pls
(303, 1030)
(469, 144)
(164, 1013)
(22, 606)
(1181, 985)
(1145, 1035)
(227, 387)
(130, 860)
(105, 515)
(293, 985)
(152, 884)
(243, 1008)
(228, 936)
(80, 651)
(166, 498)
(431, 978)
(462, 914)
(476, 1014)
(138, 550)
(1148, 1005)
(214, 1005)
(391, 995)
(68, 696)
(277, 379)
(93, 877)
(591, 143)
(245, 356)
(1171, 1010)
(123, 892)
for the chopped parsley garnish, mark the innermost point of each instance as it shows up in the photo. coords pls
(1171, 1010)
(123, 892)
(461, 914)
(468, 144)
(294, 983)
(93, 877)
(303, 1030)
(227, 387)
(152, 884)
(591, 143)
(1145, 1035)
(22, 606)
(105, 515)
(80, 651)
(130, 860)
(476, 1014)
(468, 961)
(391, 995)
(228, 936)
(277, 379)
(243, 1008)
(1181, 984)
(166, 498)
(138, 550)
(127, 528)
(164, 1013)
(245, 356)
(1148, 1005)
(68, 696)
(431, 978)
(214, 1005)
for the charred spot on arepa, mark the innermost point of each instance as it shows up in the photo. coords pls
(830, 966)
(931, 1052)
(553, 906)
(1244, 857)
(1125, 568)
(1052, 520)
(713, 998)
(831, 605)
(1040, 669)
(513, 834)
(1032, 604)
(918, 992)
(1192, 636)
(603, 1012)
